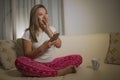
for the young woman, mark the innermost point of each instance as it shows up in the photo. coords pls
(39, 59)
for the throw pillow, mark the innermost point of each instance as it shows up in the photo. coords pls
(7, 54)
(19, 47)
(113, 54)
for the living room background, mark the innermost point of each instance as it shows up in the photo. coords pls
(76, 16)
(15, 16)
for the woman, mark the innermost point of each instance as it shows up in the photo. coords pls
(39, 50)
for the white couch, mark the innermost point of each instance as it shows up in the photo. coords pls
(88, 46)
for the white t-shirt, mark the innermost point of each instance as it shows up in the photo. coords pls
(48, 56)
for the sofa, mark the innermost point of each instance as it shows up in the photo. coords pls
(89, 46)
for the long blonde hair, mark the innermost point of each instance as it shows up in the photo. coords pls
(34, 24)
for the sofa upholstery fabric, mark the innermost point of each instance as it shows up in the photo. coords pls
(113, 54)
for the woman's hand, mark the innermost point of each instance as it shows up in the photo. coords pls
(44, 22)
(46, 45)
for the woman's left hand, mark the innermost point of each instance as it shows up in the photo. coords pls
(44, 24)
(45, 21)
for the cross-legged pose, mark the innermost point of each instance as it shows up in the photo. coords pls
(39, 46)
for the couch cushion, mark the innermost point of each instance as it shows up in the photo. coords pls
(9, 50)
(113, 55)
(19, 47)
(7, 54)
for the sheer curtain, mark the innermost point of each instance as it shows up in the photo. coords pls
(14, 16)
(21, 12)
(6, 31)
(55, 11)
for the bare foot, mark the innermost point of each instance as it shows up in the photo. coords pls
(73, 69)
(67, 70)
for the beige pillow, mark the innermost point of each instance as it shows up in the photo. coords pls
(19, 47)
(113, 55)
(7, 54)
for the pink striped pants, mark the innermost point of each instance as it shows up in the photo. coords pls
(29, 67)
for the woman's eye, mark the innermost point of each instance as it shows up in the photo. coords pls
(40, 14)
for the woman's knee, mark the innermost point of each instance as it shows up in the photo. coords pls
(20, 60)
(76, 58)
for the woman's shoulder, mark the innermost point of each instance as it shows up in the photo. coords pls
(26, 35)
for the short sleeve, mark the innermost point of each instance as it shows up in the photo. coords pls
(26, 36)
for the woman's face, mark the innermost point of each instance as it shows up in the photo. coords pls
(42, 14)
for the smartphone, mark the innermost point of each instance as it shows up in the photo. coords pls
(55, 37)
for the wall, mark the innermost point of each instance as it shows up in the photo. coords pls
(91, 16)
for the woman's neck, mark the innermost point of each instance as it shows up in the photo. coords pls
(40, 30)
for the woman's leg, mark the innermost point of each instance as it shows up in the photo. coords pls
(58, 67)
(63, 62)
(29, 67)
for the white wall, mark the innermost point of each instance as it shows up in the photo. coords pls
(91, 16)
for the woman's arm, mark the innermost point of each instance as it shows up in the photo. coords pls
(58, 43)
(33, 53)
(47, 29)
(50, 34)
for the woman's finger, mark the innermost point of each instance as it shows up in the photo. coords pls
(51, 43)
(44, 23)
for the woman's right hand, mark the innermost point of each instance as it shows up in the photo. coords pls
(46, 45)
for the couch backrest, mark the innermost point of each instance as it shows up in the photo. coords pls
(89, 46)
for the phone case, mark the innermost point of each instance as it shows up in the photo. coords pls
(55, 36)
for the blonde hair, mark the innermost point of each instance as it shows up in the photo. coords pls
(34, 24)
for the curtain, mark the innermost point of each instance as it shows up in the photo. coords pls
(55, 11)
(6, 31)
(15, 14)
(21, 15)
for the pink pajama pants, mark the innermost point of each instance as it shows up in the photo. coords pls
(29, 67)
